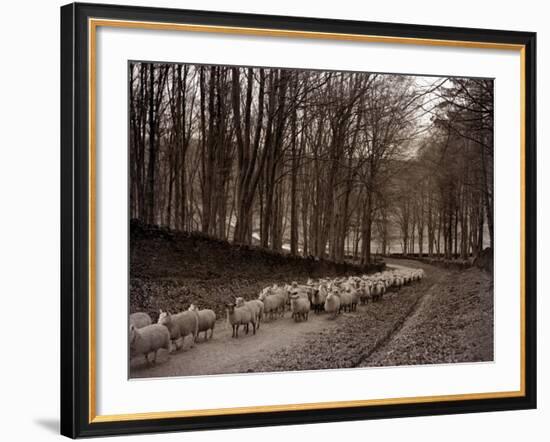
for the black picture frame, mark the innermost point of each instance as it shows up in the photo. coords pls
(75, 220)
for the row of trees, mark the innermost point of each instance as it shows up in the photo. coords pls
(328, 164)
(449, 202)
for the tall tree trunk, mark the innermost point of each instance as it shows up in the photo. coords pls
(152, 149)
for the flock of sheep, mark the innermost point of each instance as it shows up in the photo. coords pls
(324, 295)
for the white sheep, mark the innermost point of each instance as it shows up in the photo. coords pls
(332, 304)
(365, 294)
(354, 298)
(419, 274)
(148, 340)
(399, 282)
(274, 304)
(180, 325)
(378, 291)
(140, 319)
(207, 320)
(345, 300)
(300, 307)
(238, 316)
(255, 306)
(319, 297)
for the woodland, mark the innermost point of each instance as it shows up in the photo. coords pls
(329, 164)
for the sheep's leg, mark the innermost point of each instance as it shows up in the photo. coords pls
(254, 328)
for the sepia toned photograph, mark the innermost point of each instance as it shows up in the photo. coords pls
(288, 219)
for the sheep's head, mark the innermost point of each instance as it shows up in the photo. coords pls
(239, 301)
(164, 318)
(193, 308)
(230, 307)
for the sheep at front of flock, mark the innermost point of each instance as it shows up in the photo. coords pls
(238, 316)
(180, 325)
(140, 319)
(255, 306)
(148, 340)
(207, 320)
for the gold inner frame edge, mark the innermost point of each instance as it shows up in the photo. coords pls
(93, 24)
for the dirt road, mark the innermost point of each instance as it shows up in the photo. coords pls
(384, 333)
(224, 354)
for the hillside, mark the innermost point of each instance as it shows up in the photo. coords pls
(170, 270)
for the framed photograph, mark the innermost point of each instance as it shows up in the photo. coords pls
(274, 220)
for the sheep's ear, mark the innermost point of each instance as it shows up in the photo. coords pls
(132, 327)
